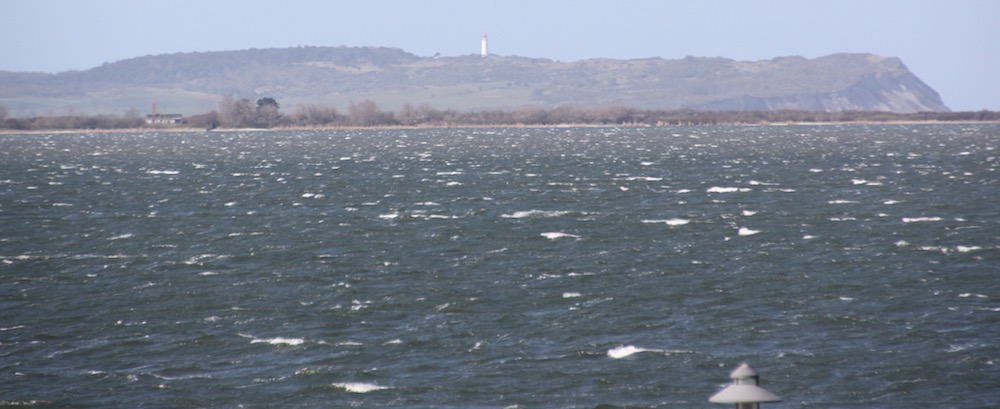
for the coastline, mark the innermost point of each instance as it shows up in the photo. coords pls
(482, 126)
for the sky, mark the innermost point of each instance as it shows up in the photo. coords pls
(952, 45)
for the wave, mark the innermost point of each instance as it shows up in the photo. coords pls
(669, 222)
(278, 341)
(921, 219)
(359, 387)
(626, 351)
(558, 235)
(719, 189)
(524, 214)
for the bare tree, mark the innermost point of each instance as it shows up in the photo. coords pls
(367, 113)
(237, 113)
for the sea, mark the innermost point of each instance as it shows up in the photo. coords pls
(851, 266)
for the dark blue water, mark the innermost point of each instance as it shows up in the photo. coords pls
(852, 266)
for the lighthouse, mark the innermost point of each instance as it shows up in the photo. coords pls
(484, 49)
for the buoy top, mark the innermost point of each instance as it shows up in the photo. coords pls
(744, 388)
(744, 371)
(743, 394)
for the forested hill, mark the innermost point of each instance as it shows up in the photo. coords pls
(191, 83)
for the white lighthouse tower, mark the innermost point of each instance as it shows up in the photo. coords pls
(484, 49)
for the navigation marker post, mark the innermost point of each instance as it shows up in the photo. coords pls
(744, 391)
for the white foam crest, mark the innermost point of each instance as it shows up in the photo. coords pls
(559, 235)
(668, 222)
(626, 351)
(163, 172)
(524, 214)
(571, 295)
(359, 387)
(721, 189)
(743, 231)
(278, 341)
(842, 201)
(921, 219)
(122, 236)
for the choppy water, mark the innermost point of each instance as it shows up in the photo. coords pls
(852, 266)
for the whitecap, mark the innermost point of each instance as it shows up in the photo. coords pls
(359, 387)
(122, 236)
(163, 172)
(841, 201)
(279, 341)
(921, 219)
(558, 235)
(747, 232)
(571, 295)
(669, 222)
(534, 213)
(624, 351)
(966, 249)
(718, 189)
(629, 350)
(749, 213)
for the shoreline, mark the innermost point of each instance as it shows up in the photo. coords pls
(478, 126)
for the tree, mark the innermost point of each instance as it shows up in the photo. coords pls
(236, 113)
(267, 114)
(367, 113)
(313, 115)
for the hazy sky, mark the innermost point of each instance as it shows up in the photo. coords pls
(952, 45)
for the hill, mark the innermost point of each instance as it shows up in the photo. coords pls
(192, 83)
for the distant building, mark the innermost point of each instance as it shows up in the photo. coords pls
(171, 119)
(484, 50)
(163, 119)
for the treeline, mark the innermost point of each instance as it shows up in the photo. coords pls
(130, 120)
(241, 113)
(266, 113)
